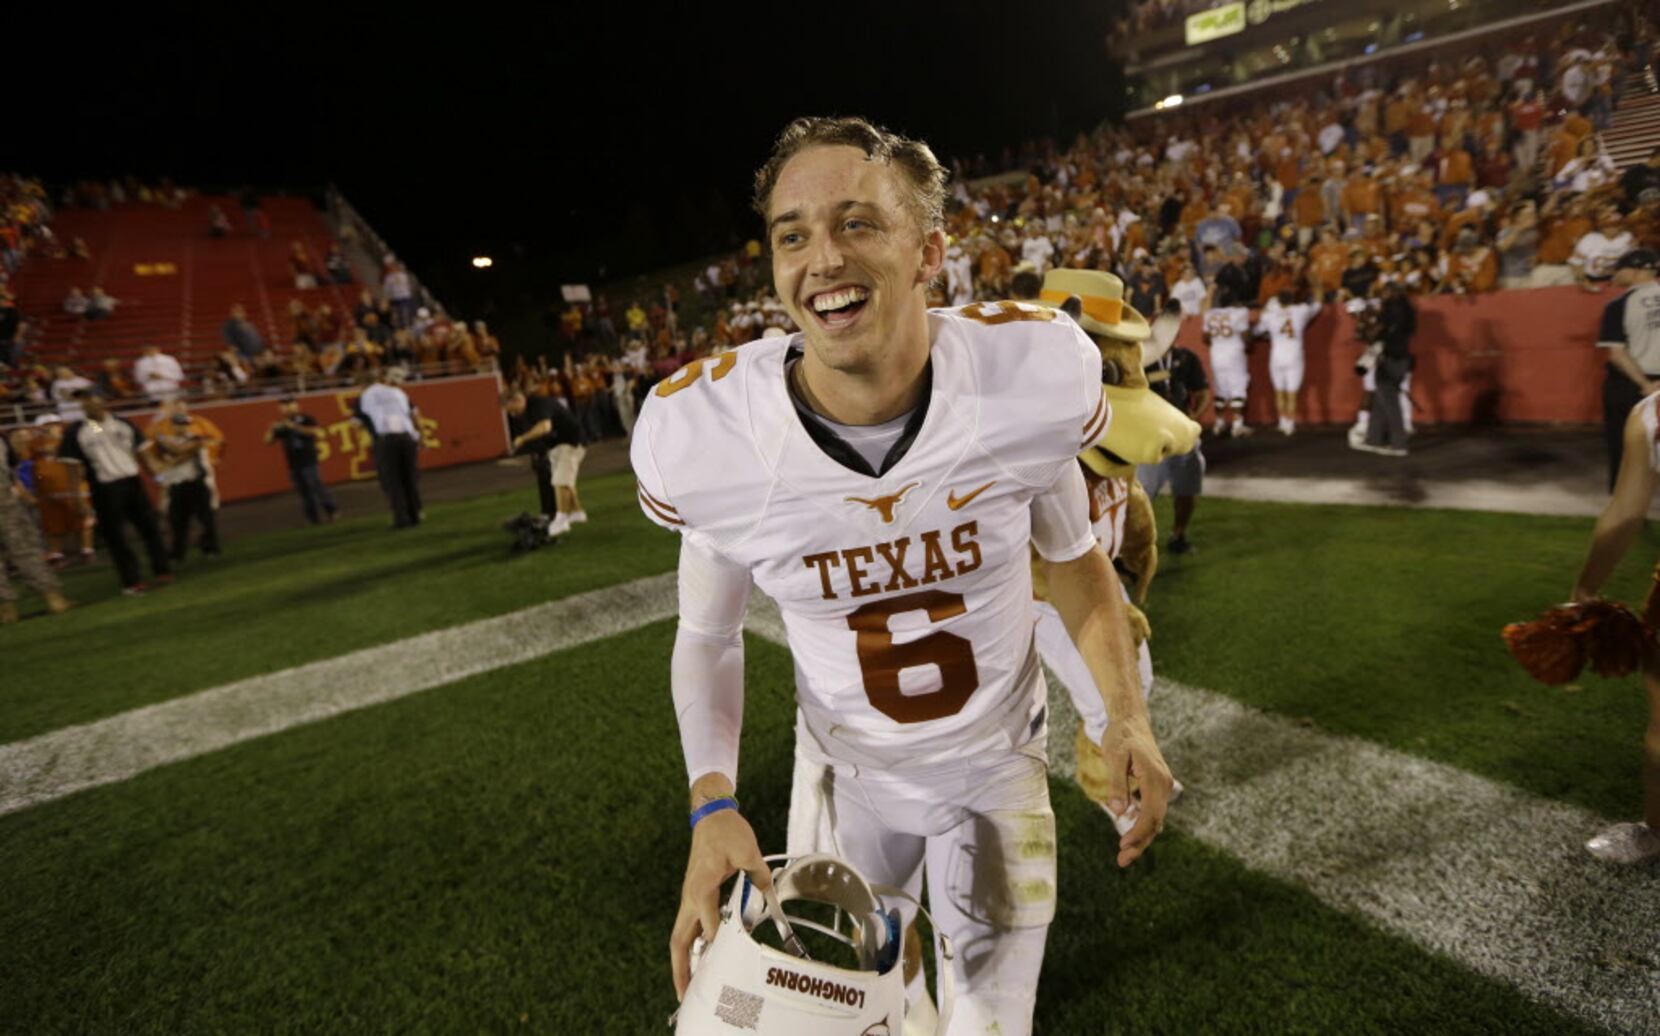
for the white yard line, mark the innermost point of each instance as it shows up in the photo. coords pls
(52, 765)
(1467, 495)
(1481, 872)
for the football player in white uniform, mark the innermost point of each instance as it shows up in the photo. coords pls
(1225, 326)
(880, 476)
(1284, 322)
(1617, 529)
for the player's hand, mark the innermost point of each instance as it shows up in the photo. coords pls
(723, 844)
(1130, 751)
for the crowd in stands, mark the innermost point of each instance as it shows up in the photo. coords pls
(1446, 176)
(1464, 174)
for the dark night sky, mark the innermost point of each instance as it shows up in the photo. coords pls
(603, 135)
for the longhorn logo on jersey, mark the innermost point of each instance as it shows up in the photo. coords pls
(884, 505)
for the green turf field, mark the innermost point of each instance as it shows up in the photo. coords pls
(288, 598)
(504, 853)
(1384, 623)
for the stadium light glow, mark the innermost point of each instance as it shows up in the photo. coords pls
(1169, 102)
(483, 262)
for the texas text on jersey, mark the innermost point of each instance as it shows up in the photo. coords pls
(906, 597)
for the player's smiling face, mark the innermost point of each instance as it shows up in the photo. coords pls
(848, 259)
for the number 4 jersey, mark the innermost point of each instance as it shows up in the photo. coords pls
(907, 597)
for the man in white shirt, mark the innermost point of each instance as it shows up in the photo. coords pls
(1576, 82)
(1331, 135)
(959, 276)
(1190, 291)
(158, 374)
(1598, 250)
(66, 386)
(113, 453)
(395, 424)
(400, 291)
(1037, 248)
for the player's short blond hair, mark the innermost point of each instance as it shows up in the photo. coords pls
(922, 171)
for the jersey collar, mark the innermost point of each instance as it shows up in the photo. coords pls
(834, 446)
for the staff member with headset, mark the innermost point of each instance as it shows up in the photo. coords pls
(1631, 334)
(386, 409)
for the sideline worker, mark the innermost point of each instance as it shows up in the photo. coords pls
(386, 409)
(550, 432)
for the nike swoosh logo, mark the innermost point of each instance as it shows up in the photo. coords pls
(957, 503)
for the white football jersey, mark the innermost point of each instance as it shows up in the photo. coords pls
(907, 598)
(1285, 324)
(1227, 326)
(1109, 504)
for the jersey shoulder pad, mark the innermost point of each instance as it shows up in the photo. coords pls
(699, 463)
(1037, 377)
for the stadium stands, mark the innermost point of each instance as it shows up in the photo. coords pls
(176, 263)
(175, 284)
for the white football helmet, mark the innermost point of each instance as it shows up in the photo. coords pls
(741, 985)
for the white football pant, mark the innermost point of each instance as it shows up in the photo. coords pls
(1285, 368)
(1233, 375)
(983, 832)
(1058, 652)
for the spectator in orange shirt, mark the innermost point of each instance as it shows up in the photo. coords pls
(1470, 267)
(1308, 210)
(1421, 124)
(1415, 201)
(1564, 225)
(1455, 172)
(1326, 261)
(995, 265)
(1362, 197)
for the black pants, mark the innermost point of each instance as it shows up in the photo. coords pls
(187, 500)
(315, 499)
(1619, 395)
(543, 470)
(119, 503)
(399, 471)
(1387, 425)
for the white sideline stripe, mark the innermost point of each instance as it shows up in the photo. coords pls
(1483, 873)
(56, 764)
(1466, 495)
(1478, 871)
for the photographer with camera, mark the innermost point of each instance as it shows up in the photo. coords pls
(298, 432)
(187, 450)
(546, 429)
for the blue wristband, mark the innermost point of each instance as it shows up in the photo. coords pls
(712, 806)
